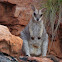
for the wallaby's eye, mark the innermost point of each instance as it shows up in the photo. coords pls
(41, 15)
(34, 14)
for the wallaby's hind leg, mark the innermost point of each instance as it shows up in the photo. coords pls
(25, 44)
(45, 46)
(26, 47)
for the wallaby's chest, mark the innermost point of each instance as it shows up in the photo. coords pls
(36, 28)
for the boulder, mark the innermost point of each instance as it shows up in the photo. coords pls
(9, 44)
(56, 47)
(15, 13)
(35, 59)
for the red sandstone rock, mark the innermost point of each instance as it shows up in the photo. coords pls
(60, 60)
(8, 13)
(22, 10)
(17, 11)
(9, 43)
(39, 59)
(56, 47)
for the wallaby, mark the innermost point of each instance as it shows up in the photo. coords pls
(35, 38)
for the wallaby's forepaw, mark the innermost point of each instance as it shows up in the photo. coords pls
(43, 56)
(26, 55)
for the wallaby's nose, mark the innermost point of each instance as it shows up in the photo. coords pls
(37, 19)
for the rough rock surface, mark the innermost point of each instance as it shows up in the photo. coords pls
(35, 59)
(9, 44)
(56, 47)
(6, 58)
(16, 13)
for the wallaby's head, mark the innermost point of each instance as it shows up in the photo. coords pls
(37, 14)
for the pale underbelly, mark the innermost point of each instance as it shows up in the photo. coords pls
(35, 49)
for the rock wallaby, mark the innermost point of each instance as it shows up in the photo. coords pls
(35, 38)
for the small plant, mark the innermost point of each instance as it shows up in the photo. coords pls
(53, 15)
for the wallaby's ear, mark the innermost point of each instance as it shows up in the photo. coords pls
(43, 9)
(33, 8)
